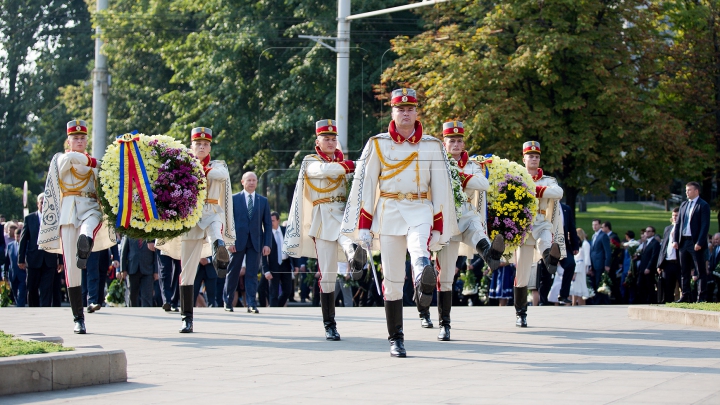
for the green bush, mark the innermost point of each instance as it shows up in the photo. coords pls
(703, 306)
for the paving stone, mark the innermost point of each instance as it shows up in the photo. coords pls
(588, 355)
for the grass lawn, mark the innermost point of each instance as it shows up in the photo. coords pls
(10, 346)
(704, 306)
(623, 217)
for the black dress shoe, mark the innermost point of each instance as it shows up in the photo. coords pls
(84, 248)
(253, 310)
(425, 281)
(175, 309)
(564, 301)
(166, 307)
(331, 333)
(425, 320)
(397, 348)
(220, 255)
(79, 326)
(681, 300)
(93, 307)
(228, 308)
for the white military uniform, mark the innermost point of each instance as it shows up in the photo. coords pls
(71, 209)
(401, 191)
(547, 228)
(216, 223)
(316, 211)
(471, 225)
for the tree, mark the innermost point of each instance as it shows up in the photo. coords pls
(11, 205)
(574, 75)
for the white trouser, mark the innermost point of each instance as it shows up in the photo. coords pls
(191, 251)
(69, 235)
(327, 258)
(393, 249)
(446, 260)
(474, 233)
(525, 256)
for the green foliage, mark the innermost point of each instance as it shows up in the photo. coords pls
(11, 202)
(56, 35)
(116, 293)
(623, 217)
(574, 75)
(10, 346)
(703, 306)
(5, 294)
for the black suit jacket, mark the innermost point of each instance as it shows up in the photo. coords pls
(29, 251)
(714, 259)
(663, 246)
(136, 257)
(270, 263)
(649, 257)
(572, 241)
(699, 222)
(256, 230)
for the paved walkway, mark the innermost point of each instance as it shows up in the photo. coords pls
(585, 355)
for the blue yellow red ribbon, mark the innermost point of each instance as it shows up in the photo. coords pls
(133, 174)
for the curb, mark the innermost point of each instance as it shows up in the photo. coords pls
(62, 370)
(689, 317)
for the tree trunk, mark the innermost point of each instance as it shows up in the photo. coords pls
(570, 194)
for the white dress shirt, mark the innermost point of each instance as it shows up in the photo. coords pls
(686, 225)
(670, 253)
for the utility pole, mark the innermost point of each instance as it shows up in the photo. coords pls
(101, 82)
(342, 49)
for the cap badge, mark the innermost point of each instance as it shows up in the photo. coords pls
(77, 128)
(455, 130)
(404, 98)
(330, 128)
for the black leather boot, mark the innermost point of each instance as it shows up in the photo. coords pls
(220, 256)
(551, 257)
(444, 306)
(424, 313)
(394, 318)
(520, 298)
(186, 308)
(491, 254)
(357, 259)
(327, 302)
(425, 281)
(75, 297)
(84, 248)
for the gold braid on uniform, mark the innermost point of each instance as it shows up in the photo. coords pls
(334, 184)
(398, 167)
(83, 180)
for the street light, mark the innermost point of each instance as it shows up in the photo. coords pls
(342, 49)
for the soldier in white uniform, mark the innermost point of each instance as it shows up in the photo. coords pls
(547, 241)
(313, 227)
(215, 229)
(71, 216)
(472, 226)
(402, 193)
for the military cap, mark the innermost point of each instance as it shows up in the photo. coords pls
(77, 127)
(453, 128)
(403, 97)
(326, 127)
(531, 147)
(201, 133)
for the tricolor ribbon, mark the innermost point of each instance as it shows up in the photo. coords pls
(132, 172)
(484, 162)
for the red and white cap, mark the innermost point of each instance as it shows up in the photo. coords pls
(77, 127)
(201, 133)
(453, 128)
(403, 96)
(326, 127)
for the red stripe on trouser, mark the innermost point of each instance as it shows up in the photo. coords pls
(439, 270)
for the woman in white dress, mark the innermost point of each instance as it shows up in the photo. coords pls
(578, 287)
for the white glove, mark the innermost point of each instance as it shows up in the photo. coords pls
(365, 235)
(434, 244)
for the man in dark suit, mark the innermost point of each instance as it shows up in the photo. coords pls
(691, 241)
(207, 274)
(668, 266)
(277, 267)
(251, 213)
(94, 276)
(647, 269)
(600, 257)
(137, 262)
(572, 246)
(712, 265)
(41, 265)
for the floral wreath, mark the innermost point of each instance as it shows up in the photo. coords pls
(151, 187)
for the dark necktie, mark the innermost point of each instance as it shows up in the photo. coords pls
(250, 206)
